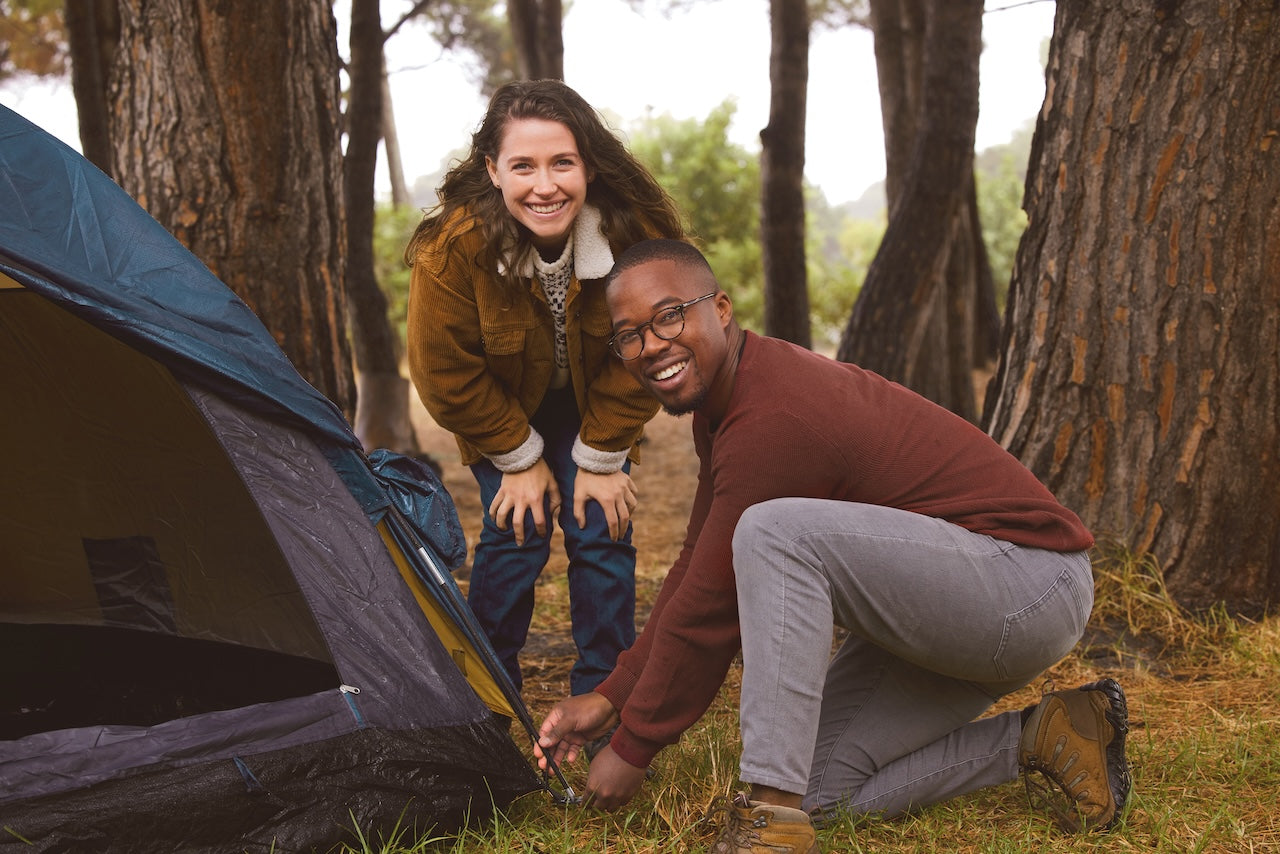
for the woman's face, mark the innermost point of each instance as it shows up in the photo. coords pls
(543, 180)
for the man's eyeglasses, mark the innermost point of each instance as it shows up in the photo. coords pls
(667, 324)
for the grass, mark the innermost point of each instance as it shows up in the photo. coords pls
(1204, 746)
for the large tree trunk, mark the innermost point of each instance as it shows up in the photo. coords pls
(225, 128)
(1140, 377)
(93, 30)
(536, 26)
(915, 320)
(786, 282)
(382, 409)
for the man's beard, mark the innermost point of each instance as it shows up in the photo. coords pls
(685, 408)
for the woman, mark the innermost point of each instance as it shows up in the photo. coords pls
(509, 350)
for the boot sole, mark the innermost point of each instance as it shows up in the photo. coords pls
(1117, 763)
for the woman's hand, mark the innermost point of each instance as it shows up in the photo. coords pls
(522, 492)
(615, 493)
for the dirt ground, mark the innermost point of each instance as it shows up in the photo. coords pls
(666, 478)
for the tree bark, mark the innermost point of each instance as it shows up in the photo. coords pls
(915, 318)
(786, 283)
(93, 29)
(382, 405)
(1140, 377)
(899, 30)
(536, 26)
(225, 128)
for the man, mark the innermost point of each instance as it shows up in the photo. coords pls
(829, 496)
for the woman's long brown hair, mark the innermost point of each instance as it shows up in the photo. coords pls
(632, 204)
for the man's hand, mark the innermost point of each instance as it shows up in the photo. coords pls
(572, 723)
(615, 493)
(611, 781)
(521, 492)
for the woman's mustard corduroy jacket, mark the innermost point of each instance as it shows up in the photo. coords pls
(482, 356)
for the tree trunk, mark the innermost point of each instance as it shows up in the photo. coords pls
(915, 319)
(1140, 377)
(93, 29)
(899, 28)
(225, 128)
(382, 405)
(537, 32)
(786, 283)
(391, 142)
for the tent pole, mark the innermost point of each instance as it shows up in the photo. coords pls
(440, 580)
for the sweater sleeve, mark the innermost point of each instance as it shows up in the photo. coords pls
(673, 673)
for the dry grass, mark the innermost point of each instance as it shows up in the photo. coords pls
(1203, 703)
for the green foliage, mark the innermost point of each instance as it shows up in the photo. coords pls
(716, 184)
(392, 228)
(999, 177)
(839, 249)
(715, 181)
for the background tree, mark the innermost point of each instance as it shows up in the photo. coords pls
(716, 184)
(477, 35)
(31, 38)
(43, 39)
(536, 29)
(786, 288)
(916, 319)
(93, 31)
(225, 128)
(382, 405)
(1139, 376)
(382, 418)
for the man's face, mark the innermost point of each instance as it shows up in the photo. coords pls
(682, 372)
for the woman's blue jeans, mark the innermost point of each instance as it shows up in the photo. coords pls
(602, 571)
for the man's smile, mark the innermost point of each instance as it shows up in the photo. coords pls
(670, 371)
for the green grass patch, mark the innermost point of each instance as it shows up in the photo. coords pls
(1204, 744)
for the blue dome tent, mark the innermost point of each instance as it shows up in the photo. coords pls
(222, 627)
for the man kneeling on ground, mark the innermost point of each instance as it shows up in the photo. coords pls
(828, 496)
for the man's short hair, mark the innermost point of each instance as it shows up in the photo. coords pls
(661, 249)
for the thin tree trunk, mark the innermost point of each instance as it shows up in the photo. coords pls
(786, 283)
(93, 28)
(382, 407)
(536, 27)
(914, 319)
(391, 143)
(1140, 377)
(225, 128)
(899, 28)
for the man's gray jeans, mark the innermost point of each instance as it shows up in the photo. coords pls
(942, 622)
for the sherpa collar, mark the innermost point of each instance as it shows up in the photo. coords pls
(592, 257)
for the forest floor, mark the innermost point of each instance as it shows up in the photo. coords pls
(1204, 710)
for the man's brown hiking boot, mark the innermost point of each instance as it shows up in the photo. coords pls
(752, 827)
(1076, 740)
